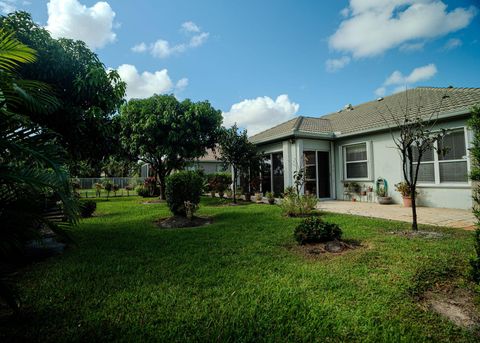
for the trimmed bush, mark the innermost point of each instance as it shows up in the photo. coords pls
(87, 208)
(142, 191)
(183, 187)
(315, 230)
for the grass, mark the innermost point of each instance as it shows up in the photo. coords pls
(236, 280)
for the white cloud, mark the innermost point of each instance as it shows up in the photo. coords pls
(452, 43)
(260, 113)
(411, 47)
(190, 26)
(8, 6)
(181, 85)
(142, 47)
(163, 49)
(401, 82)
(70, 19)
(332, 65)
(380, 91)
(375, 26)
(147, 84)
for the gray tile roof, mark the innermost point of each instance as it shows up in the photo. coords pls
(373, 115)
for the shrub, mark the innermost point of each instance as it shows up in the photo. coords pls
(108, 186)
(115, 188)
(182, 187)
(151, 185)
(87, 208)
(298, 205)
(315, 230)
(142, 191)
(222, 182)
(475, 261)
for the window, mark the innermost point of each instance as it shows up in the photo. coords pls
(426, 173)
(356, 161)
(449, 165)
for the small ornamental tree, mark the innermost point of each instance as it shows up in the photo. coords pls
(414, 136)
(183, 191)
(474, 124)
(238, 152)
(166, 133)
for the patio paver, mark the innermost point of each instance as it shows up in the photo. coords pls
(463, 219)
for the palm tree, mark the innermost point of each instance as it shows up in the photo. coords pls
(31, 172)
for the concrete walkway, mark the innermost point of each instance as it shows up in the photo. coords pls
(463, 219)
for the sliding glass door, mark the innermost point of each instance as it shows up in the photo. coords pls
(317, 173)
(272, 174)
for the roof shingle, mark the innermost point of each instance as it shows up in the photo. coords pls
(372, 115)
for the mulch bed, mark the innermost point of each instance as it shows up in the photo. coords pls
(335, 247)
(182, 222)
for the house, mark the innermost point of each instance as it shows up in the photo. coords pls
(355, 145)
(209, 163)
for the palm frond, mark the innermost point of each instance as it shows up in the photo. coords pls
(13, 53)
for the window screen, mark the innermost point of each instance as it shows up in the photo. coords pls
(452, 146)
(453, 171)
(356, 152)
(426, 173)
(356, 164)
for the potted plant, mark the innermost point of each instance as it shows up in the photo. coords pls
(270, 198)
(382, 196)
(406, 193)
(258, 197)
(364, 191)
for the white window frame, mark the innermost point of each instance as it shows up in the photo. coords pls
(368, 160)
(436, 164)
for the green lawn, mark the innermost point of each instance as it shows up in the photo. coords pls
(236, 280)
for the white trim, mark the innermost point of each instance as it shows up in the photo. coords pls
(368, 161)
(437, 183)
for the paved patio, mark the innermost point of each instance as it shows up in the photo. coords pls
(462, 219)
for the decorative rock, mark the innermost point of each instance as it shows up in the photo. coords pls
(334, 246)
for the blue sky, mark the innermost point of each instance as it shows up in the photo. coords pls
(273, 60)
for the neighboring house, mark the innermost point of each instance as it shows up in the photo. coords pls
(355, 145)
(209, 163)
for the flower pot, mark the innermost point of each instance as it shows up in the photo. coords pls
(384, 200)
(407, 202)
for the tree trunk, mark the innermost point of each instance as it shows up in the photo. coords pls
(234, 185)
(161, 180)
(414, 211)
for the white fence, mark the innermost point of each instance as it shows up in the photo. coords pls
(122, 182)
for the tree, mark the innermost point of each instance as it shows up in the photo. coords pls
(474, 124)
(166, 133)
(239, 153)
(414, 135)
(88, 94)
(31, 172)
